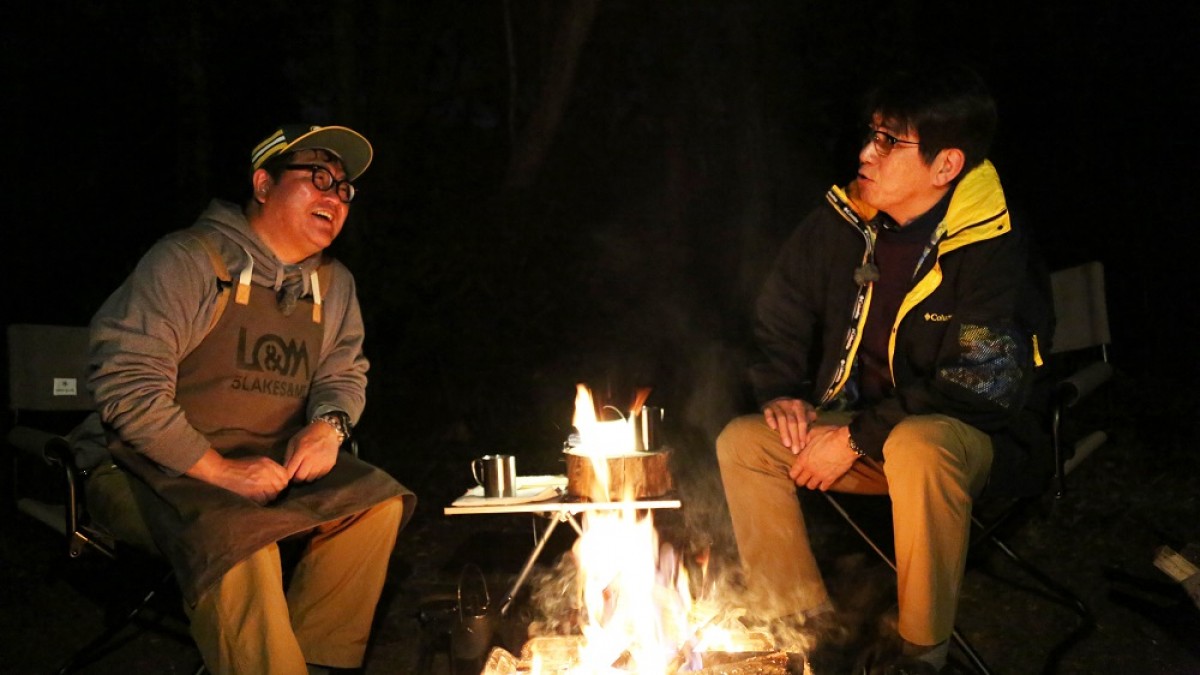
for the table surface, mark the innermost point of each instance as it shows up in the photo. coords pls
(558, 505)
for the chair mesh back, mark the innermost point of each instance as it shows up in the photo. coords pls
(1081, 313)
(47, 367)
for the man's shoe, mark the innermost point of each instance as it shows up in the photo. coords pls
(826, 641)
(906, 665)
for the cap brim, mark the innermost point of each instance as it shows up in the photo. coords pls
(350, 146)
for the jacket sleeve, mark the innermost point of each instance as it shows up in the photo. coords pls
(786, 320)
(340, 382)
(138, 337)
(983, 371)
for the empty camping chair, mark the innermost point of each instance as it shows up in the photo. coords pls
(1081, 343)
(48, 398)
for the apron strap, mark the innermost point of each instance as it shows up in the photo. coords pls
(321, 280)
(224, 280)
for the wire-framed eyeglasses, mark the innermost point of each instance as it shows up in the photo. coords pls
(885, 142)
(324, 181)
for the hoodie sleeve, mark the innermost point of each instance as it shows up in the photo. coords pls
(340, 382)
(138, 337)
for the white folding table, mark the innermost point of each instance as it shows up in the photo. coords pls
(558, 508)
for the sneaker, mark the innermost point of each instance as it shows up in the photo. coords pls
(825, 640)
(892, 662)
(907, 665)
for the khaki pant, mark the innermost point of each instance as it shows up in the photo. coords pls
(247, 624)
(933, 468)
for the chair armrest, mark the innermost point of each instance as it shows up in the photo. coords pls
(48, 447)
(1083, 382)
(55, 451)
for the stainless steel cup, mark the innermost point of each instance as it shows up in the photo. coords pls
(647, 428)
(497, 474)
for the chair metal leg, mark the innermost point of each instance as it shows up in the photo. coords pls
(1055, 591)
(956, 635)
(976, 660)
(862, 533)
(102, 643)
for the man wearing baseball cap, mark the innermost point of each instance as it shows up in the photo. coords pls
(228, 374)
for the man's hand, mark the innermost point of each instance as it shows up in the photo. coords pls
(312, 452)
(827, 456)
(258, 479)
(790, 417)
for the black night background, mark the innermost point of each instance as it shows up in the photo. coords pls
(591, 191)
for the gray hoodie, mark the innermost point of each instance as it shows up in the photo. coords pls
(164, 310)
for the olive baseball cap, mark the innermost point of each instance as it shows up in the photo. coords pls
(350, 146)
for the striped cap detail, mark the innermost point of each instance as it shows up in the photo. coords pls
(350, 146)
(271, 146)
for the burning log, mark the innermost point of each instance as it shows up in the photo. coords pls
(500, 662)
(561, 650)
(744, 663)
(559, 653)
(636, 475)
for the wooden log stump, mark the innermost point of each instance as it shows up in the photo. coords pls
(637, 475)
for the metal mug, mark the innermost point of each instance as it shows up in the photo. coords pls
(647, 424)
(497, 474)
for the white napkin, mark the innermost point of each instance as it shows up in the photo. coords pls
(529, 489)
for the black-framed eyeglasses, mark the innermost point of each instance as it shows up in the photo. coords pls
(885, 142)
(324, 181)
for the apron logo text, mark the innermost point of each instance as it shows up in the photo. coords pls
(271, 353)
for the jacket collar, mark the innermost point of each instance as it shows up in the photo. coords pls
(978, 209)
(978, 200)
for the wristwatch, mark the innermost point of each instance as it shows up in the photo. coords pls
(854, 446)
(340, 422)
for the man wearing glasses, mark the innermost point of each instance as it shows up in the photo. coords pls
(228, 373)
(898, 340)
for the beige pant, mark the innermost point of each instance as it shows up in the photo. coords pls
(933, 467)
(247, 624)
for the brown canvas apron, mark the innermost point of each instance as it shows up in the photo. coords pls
(245, 388)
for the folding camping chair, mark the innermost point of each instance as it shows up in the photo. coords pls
(47, 389)
(1080, 344)
(48, 397)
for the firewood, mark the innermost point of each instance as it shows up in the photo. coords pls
(500, 662)
(744, 663)
(560, 650)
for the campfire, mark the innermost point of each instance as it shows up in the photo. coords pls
(634, 607)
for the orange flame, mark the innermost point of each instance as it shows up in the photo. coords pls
(635, 594)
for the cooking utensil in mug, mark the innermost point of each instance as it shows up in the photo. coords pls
(497, 474)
